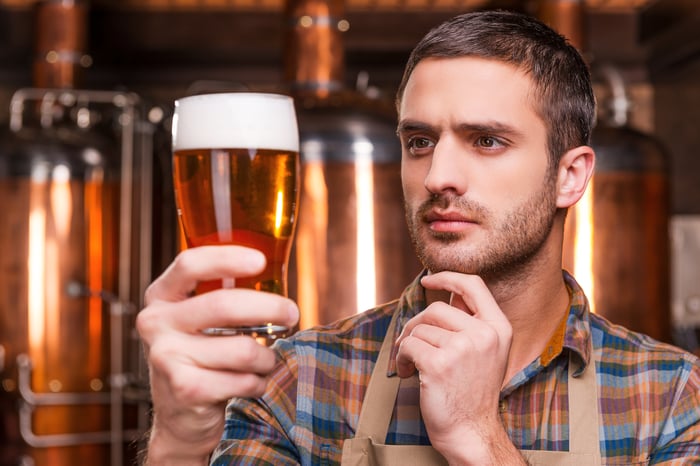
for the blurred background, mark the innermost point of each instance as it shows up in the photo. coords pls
(88, 217)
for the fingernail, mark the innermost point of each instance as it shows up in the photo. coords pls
(258, 259)
(293, 311)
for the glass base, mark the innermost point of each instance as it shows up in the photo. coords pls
(269, 331)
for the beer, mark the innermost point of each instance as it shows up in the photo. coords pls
(246, 197)
(236, 176)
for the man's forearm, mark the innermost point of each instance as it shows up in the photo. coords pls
(493, 450)
(163, 452)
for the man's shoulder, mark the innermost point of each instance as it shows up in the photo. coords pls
(625, 351)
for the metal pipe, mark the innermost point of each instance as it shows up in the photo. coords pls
(619, 104)
(315, 58)
(61, 440)
(566, 17)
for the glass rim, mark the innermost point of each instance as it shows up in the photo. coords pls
(236, 95)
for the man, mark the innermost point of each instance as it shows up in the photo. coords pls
(491, 356)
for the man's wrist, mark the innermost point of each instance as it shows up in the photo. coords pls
(483, 449)
(162, 452)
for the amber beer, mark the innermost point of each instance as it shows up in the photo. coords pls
(236, 176)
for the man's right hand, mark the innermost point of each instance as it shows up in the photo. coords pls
(192, 375)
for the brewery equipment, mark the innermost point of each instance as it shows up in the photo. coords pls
(616, 237)
(74, 257)
(628, 209)
(352, 248)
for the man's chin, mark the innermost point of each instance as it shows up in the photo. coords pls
(437, 264)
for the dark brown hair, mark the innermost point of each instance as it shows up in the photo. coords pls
(564, 95)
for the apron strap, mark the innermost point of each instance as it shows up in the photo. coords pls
(584, 425)
(380, 398)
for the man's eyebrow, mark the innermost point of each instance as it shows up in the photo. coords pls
(412, 125)
(489, 127)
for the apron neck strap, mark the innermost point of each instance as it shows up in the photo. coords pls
(584, 428)
(380, 398)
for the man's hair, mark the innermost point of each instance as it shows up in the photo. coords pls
(563, 92)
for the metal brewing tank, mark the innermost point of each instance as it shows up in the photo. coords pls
(66, 244)
(631, 212)
(626, 211)
(616, 238)
(58, 242)
(352, 248)
(630, 209)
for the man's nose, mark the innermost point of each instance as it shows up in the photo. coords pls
(447, 168)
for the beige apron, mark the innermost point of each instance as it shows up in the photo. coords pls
(377, 408)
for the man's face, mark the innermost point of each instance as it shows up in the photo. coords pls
(479, 196)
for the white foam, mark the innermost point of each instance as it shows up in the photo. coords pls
(235, 120)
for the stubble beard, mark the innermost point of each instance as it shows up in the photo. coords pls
(510, 245)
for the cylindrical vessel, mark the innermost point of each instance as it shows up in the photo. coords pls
(61, 35)
(352, 248)
(64, 257)
(616, 238)
(58, 259)
(627, 209)
(566, 16)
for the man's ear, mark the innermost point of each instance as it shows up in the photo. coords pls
(574, 173)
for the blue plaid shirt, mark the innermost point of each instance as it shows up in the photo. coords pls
(649, 393)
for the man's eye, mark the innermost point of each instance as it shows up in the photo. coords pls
(489, 142)
(419, 144)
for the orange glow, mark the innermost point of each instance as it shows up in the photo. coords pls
(279, 198)
(94, 193)
(61, 201)
(583, 245)
(60, 214)
(279, 212)
(364, 188)
(311, 236)
(52, 307)
(36, 268)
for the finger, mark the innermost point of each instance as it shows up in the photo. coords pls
(440, 315)
(234, 307)
(410, 353)
(240, 354)
(236, 353)
(201, 264)
(472, 294)
(220, 308)
(194, 386)
(433, 335)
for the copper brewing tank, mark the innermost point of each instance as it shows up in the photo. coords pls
(352, 248)
(616, 238)
(54, 244)
(627, 207)
(65, 246)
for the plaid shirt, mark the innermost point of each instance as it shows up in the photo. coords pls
(649, 393)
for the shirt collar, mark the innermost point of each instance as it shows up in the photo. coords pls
(578, 325)
(576, 333)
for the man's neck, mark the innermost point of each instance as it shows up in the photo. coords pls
(535, 312)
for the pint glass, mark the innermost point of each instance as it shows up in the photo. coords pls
(236, 176)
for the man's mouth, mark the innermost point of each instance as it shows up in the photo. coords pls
(448, 221)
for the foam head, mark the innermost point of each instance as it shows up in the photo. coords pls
(235, 120)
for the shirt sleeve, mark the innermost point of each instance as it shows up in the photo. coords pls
(679, 443)
(256, 431)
